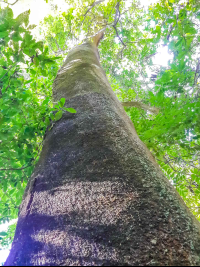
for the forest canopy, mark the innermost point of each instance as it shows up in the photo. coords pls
(162, 101)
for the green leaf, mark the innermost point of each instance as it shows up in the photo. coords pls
(33, 72)
(62, 102)
(51, 105)
(22, 18)
(57, 107)
(179, 42)
(36, 61)
(196, 137)
(44, 73)
(5, 187)
(71, 110)
(47, 121)
(39, 45)
(29, 81)
(58, 115)
(3, 234)
(31, 27)
(16, 37)
(8, 13)
(3, 34)
(46, 50)
(28, 38)
(2, 71)
(52, 117)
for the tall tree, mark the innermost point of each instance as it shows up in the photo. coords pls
(164, 106)
(97, 195)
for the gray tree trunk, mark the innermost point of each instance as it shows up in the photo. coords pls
(97, 196)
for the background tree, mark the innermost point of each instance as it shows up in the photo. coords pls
(172, 134)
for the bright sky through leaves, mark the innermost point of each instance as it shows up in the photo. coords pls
(4, 253)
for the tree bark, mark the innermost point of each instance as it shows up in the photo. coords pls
(97, 197)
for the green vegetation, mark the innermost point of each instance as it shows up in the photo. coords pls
(132, 37)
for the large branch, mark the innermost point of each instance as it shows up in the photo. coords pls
(117, 17)
(97, 38)
(137, 104)
(119, 36)
(117, 14)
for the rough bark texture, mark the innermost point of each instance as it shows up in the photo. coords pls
(97, 196)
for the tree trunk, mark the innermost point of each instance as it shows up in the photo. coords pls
(97, 197)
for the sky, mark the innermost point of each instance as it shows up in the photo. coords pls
(40, 9)
(4, 253)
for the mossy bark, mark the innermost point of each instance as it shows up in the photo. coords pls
(97, 197)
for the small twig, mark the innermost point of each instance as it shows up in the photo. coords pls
(11, 200)
(121, 52)
(8, 71)
(13, 169)
(195, 208)
(196, 72)
(137, 104)
(168, 162)
(91, 7)
(170, 31)
(14, 3)
(119, 36)
(150, 56)
(9, 3)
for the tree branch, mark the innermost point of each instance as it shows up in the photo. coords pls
(91, 7)
(196, 72)
(168, 162)
(152, 55)
(98, 37)
(117, 14)
(14, 3)
(117, 17)
(170, 31)
(10, 3)
(13, 169)
(121, 52)
(8, 71)
(137, 104)
(119, 36)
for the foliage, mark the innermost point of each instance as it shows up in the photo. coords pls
(133, 36)
(6, 237)
(26, 76)
(174, 135)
